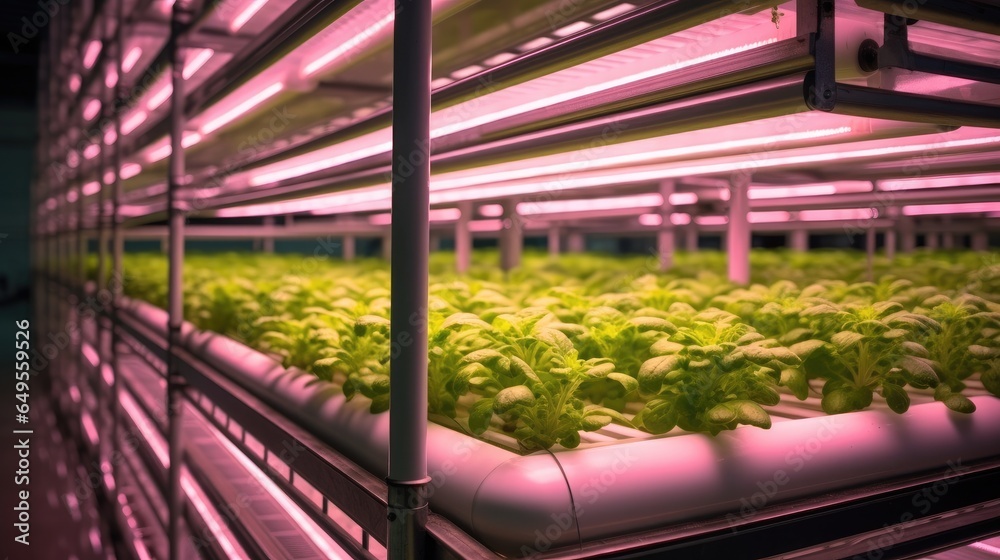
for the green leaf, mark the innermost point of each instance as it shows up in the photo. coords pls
(489, 358)
(960, 403)
(983, 352)
(846, 399)
(915, 349)
(570, 440)
(749, 412)
(795, 380)
(480, 416)
(805, 348)
(628, 382)
(991, 380)
(795, 336)
(465, 320)
(722, 414)
(379, 404)
(893, 333)
(600, 370)
(785, 356)
(653, 324)
(896, 397)
(511, 397)
(921, 371)
(370, 322)
(653, 370)
(659, 419)
(664, 347)
(757, 354)
(845, 339)
(595, 422)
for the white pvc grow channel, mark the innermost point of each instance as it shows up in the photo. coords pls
(611, 489)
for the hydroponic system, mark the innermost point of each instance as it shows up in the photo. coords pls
(348, 378)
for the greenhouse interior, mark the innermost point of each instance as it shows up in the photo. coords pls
(458, 279)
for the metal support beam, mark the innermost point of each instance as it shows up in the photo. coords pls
(738, 232)
(554, 240)
(349, 249)
(932, 240)
(182, 17)
(980, 241)
(799, 240)
(908, 235)
(576, 242)
(463, 238)
(870, 252)
(267, 243)
(410, 233)
(117, 239)
(889, 238)
(691, 238)
(511, 236)
(665, 241)
(387, 246)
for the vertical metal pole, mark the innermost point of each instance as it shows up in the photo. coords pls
(410, 233)
(181, 18)
(387, 245)
(980, 241)
(511, 236)
(908, 241)
(870, 252)
(931, 240)
(267, 243)
(463, 238)
(890, 243)
(554, 239)
(738, 232)
(691, 238)
(799, 236)
(665, 241)
(117, 237)
(350, 247)
(576, 242)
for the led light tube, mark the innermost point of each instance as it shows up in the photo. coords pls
(958, 208)
(196, 62)
(242, 107)
(323, 61)
(91, 53)
(91, 109)
(128, 63)
(243, 17)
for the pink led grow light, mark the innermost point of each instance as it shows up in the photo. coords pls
(958, 208)
(711, 220)
(650, 219)
(164, 150)
(161, 95)
(133, 121)
(838, 214)
(110, 136)
(491, 210)
(759, 193)
(248, 12)
(680, 219)
(130, 170)
(91, 188)
(111, 78)
(242, 107)
(131, 58)
(196, 62)
(768, 217)
(612, 12)
(586, 205)
(71, 196)
(571, 29)
(683, 198)
(323, 61)
(91, 109)
(90, 54)
(485, 225)
(74, 83)
(91, 151)
(938, 182)
(435, 215)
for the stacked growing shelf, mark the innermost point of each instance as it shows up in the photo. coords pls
(273, 119)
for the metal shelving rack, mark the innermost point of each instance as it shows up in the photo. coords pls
(107, 173)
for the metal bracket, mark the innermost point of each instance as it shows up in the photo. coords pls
(820, 85)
